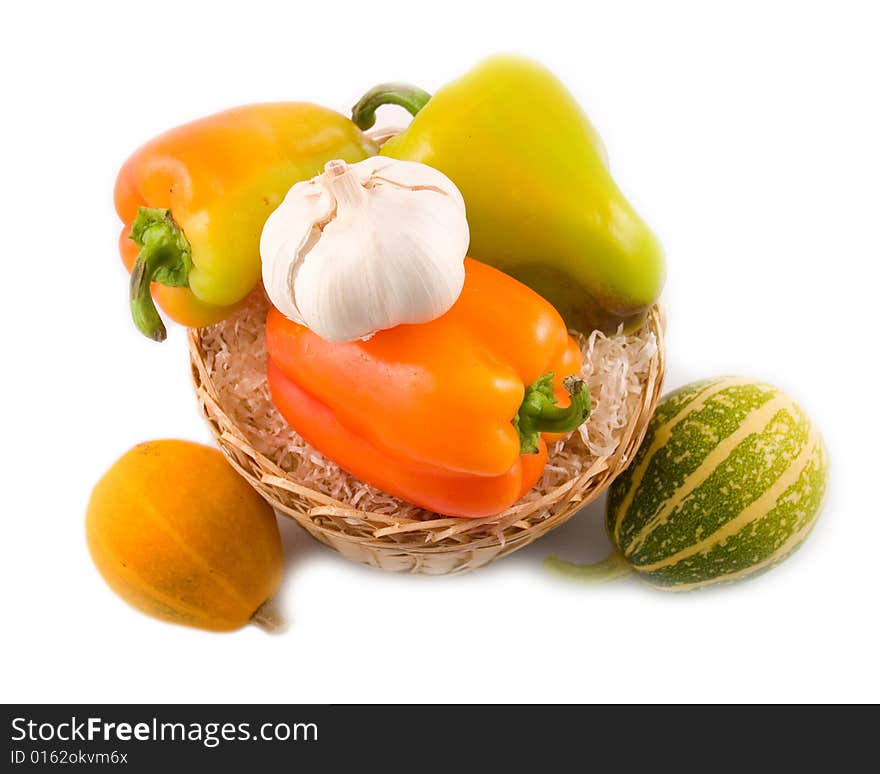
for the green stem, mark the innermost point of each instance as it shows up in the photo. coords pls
(613, 566)
(165, 257)
(538, 412)
(410, 97)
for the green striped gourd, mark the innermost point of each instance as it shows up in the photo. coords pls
(729, 481)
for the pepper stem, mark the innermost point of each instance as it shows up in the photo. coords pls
(538, 412)
(165, 257)
(611, 567)
(410, 97)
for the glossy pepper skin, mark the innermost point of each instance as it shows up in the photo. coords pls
(541, 203)
(193, 202)
(447, 414)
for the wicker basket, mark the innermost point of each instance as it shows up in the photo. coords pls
(437, 546)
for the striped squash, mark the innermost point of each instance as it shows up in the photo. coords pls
(728, 482)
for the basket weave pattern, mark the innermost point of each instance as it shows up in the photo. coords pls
(434, 546)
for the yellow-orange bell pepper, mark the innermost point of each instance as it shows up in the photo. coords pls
(448, 414)
(193, 202)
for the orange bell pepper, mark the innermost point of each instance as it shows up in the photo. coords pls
(448, 414)
(193, 202)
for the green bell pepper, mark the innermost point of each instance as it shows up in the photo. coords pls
(541, 203)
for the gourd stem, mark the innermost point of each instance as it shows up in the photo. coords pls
(268, 618)
(412, 98)
(539, 413)
(611, 567)
(165, 257)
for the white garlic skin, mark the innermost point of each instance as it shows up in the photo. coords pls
(366, 246)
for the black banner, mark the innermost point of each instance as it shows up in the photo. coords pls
(406, 738)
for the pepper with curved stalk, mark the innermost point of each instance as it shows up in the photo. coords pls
(533, 172)
(193, 202)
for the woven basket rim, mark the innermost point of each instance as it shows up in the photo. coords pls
(445, 544)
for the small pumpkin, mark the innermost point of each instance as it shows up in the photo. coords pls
(179, 535)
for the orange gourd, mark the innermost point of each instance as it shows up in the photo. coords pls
(179, 535)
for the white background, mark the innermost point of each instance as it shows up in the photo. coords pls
(746, 134)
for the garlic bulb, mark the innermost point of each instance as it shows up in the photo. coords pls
(364, 247)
